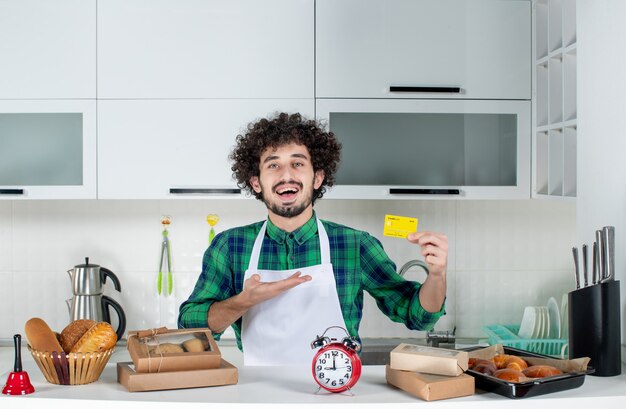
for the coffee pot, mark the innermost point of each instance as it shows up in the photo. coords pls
(89, 302)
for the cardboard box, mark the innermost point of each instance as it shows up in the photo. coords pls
(226, 374)
(436, 361)
(162, 350)
(430, 387)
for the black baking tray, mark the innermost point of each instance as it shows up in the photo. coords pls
(536, 387)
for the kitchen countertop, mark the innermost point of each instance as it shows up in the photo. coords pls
(261, 387)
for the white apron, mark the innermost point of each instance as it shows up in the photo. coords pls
(279, 331)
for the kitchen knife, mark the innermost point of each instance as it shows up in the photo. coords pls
(575, 253)
(585, 274)
(600, 242)
(608, 236)
(594, 264)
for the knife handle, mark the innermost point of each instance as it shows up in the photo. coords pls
(585, 274)
(601, 254)
(608, 235)
(595, 268)
(577, 274)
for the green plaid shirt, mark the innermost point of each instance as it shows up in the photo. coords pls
(358, 259)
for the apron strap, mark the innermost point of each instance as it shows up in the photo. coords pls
(258, 242)
(324, 243)
(256, 249)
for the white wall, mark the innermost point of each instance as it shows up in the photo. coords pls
(601, 130)
(503, 254)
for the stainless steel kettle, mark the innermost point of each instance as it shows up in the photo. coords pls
(89, 279)
(89, 302)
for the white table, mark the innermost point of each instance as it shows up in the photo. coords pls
(287, 387)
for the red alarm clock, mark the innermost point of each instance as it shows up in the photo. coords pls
(336, 366)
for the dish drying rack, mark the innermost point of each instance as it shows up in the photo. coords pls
(507, 336)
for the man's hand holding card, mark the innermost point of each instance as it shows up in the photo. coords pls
(434, 246)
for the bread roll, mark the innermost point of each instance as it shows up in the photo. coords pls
(541, 371)
(508, 374)
(195, 345)
(73, 332)
(40, 336)
(99, 337)
(166, 348)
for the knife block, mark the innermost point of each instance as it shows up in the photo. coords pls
(594, 327)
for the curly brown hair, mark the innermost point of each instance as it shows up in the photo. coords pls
(279, 130)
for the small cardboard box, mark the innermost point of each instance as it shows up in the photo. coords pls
(226, 374)
(166, 350)
(436, 361)
(430, 387)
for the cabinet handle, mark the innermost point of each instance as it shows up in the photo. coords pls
(205, 191)
(452, 90)
(11, 191)
(394, 191)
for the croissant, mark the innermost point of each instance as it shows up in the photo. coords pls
(510, 361)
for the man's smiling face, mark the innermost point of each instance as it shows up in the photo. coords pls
(287, 180)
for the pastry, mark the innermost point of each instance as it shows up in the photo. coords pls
(73, 332)
(100, 337)
(195, 345)
(508, 374)
(40, 336)
(485, 366)
(541, 371)
(510, 361)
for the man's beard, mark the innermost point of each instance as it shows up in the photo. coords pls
(287, 211)
(290, 211)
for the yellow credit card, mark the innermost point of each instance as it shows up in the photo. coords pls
(399, 226)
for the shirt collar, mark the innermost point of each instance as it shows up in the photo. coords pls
(300, 235)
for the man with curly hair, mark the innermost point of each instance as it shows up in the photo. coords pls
(282, 281)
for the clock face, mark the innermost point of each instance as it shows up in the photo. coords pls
(336, 368)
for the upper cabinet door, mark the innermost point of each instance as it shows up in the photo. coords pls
(160, 149)
(481, 47)
(205, 49)
(48, 149)
(47, 49)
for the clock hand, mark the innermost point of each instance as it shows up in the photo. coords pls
(334, 366)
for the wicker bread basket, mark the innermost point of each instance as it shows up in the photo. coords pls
(74, 368)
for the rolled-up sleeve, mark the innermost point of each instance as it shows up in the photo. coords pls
(214, 284)
(396, 297)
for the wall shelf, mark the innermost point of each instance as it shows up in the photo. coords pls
(554, 99)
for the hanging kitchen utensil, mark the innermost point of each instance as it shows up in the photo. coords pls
(18, 382)
(165, 256)
(212, 219)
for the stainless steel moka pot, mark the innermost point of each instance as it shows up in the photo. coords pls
(88, 301)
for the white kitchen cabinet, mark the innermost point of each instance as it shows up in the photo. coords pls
(159, 149)
(47, 149)
(481, 47)
(205, 49)
(47, 49)
(430, 149)
(554, 102)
